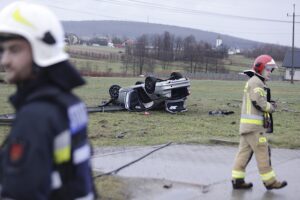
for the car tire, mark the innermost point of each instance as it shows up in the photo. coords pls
(114, 91)
(150, 83)
(175, 76)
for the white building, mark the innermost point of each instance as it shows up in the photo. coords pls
(218, 41)
(110, 44)
(233, 51)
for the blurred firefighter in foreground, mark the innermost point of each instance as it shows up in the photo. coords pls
(46, 154)
(255, 122)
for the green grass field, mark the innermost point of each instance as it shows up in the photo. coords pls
(97, 65)
(1, 77)
(194, 126)
(99, 49)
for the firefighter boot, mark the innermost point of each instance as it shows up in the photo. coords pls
(276, 185)
(241, 184)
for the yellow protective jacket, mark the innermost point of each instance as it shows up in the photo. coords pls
(255, 106)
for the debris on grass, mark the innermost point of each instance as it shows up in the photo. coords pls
(220, 112)
(121, 135)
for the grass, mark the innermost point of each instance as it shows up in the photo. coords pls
(194, 126)
(99, 49)
(1, 77)
(97, 65)
(112, 188)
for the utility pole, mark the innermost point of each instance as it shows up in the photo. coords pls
(292, 72)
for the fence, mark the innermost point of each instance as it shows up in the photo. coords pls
(214, 76)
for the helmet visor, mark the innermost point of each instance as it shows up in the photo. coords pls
(270, 68)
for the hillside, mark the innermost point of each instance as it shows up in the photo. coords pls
(135, 29)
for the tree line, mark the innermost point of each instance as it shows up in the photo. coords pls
(166, 48)
(147, 52)
(276, 51)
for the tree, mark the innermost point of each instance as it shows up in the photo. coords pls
(140, 51)
(167, 48)
(178, 48)
(189, 47)
(116, 40)
(276, 51)
(156, 43)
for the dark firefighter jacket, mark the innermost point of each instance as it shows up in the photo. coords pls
(47, 153)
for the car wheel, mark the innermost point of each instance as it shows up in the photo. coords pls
(114, 91)
(150, 84)
(175, 75)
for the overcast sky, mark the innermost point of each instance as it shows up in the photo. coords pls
(260, 20)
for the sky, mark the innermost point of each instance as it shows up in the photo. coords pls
(258, 20)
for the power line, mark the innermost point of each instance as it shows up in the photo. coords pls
(188, 11)
(172, 9)
(293, 46)
(169, 8)
(81, 11)
(220, 30)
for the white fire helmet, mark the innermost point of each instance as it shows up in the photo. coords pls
(40, 27)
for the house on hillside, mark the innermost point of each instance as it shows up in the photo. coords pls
(233, 51)
(287, 64)
(71, 39)
(110, 44)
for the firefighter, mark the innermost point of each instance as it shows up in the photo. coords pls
(254, 122)
(47, 153)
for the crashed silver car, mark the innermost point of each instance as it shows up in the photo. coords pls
(153, 94)
(169, 94)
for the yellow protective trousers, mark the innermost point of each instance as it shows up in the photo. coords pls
(254, 143)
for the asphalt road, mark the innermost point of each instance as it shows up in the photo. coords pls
(188, 172)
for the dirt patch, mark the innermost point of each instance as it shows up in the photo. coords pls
(116, 187)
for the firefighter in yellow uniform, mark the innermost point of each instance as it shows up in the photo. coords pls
(255, 119)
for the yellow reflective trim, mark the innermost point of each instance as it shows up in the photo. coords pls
(248, 107)
(246, 87)
(268, 107)
(19, 18)
(62, 155)
(267, 115)
(261, 91)
(262, 140)
(238, 174)
(268, 176)
(251, 121)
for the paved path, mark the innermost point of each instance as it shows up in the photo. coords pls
(198, 172)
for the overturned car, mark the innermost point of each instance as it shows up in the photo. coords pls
(153, 94)
(169, 94)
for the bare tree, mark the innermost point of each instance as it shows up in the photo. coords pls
(140, 51)
(156, 43)
(178, 48)
(276, 51)
(189, 52)
(167, 47)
